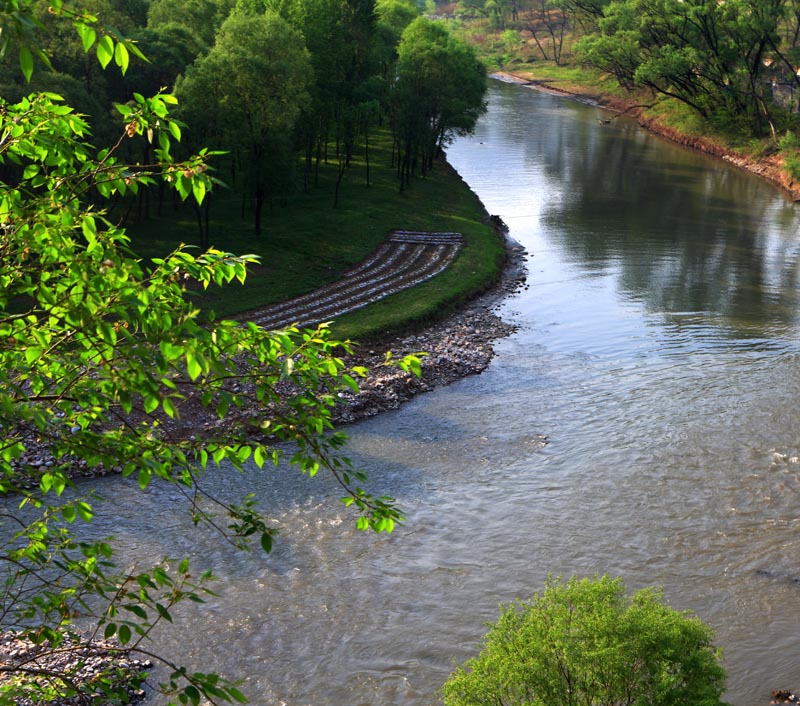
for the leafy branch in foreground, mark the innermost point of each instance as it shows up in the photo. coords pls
(106, 362)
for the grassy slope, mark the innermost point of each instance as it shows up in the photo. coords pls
(308, 243)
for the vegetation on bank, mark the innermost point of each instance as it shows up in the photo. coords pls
(106, 362)
(723, 72)
(308, 243)
(322, 123)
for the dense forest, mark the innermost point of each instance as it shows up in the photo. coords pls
(734, 64)
(274, 87)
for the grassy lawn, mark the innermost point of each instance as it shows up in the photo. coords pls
(307, 243)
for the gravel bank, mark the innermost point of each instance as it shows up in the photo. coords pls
(457, 346)
(80, 664)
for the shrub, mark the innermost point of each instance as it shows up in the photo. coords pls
(583, 642)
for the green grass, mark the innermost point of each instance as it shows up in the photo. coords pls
(307, 242)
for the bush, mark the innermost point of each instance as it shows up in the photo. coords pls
(583, 642)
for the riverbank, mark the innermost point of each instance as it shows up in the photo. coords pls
(769, 167)
(452, 347)
(82, 664)
(459, 345)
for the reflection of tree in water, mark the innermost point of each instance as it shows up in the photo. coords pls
(686, 234)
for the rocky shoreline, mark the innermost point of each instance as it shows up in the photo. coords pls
(81, 664)
(456, 346)
(459, 345)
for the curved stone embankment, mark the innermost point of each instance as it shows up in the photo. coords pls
(457, 346)
(769, 167)
(404, 259)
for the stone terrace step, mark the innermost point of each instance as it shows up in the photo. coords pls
(413, 236)
(404, 259)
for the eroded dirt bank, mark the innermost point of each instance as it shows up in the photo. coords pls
(769, 167)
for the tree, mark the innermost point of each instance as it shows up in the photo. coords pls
(438, 93)
(707, 54)
(582, 642)
(202, 18)
(105, 362)
(247, 93)
(547, 22)
(340, 36)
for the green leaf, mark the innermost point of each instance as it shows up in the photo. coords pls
(193, 694)
(163, 612)
(266, 542)
(105, 50)
(145, 475)
(169, 408)
(69, 513)
(193, 367)
(237, 695)
(150, 403)
(87, 34)
(259, 456)
(26, 62)
(84, 510)
(33, 353)
(124, 634)
(137, 610)
(199, 190)
(121, 57)
(110, 631)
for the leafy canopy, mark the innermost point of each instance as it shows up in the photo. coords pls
(582, 642)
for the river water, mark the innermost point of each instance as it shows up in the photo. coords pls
(658, 350)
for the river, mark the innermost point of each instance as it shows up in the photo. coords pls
(657, 350)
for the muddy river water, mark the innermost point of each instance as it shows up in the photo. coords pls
(658, 350)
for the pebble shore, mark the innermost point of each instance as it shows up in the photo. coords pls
(81, 664)
(457, 346)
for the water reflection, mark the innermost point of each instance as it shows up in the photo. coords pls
(685, 235)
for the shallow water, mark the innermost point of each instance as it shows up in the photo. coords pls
(659, 352)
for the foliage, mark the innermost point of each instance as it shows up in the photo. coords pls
(789, 145)
(105, 362)
(246, 94)
(582, 641)
(712, 56)
(202, 18)
(431, 106)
